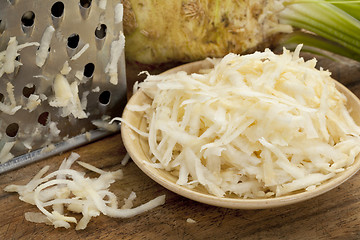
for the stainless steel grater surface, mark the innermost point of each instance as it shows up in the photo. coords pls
(83, 33)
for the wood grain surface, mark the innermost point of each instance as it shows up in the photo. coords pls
(333, 215)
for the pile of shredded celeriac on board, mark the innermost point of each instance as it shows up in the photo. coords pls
(255, 126)
(67, 190)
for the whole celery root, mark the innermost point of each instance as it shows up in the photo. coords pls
(188, 30)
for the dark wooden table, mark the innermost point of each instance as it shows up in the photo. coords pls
(333, 215)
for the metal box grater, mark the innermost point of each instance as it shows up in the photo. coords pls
(83, 33)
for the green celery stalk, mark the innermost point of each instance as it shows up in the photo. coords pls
(312, 43)
(350, 7)
(339, 31)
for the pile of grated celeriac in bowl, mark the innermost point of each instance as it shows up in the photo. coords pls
(257, 126)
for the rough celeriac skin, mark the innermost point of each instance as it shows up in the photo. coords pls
(181, 31)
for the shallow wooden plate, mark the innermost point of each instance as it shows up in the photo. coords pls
(138, 150)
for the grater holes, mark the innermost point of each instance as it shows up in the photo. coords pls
(27, 22)
(84, 6)
(100, 31)
(73, 41)
(43, 118)
(12, 130)
(89, 70)
(2, 26)
(18, 59)
(57, 9)
(104, 97)
(28, 19)
(85, 3)
(57, 12)
(28, 90)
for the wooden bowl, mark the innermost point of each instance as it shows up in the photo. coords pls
(138, 150)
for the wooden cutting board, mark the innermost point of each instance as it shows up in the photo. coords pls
(333, 215)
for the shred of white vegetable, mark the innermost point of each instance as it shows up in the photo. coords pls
(33, 102)
(62, 90)
(67, 97)
(11, 107)
(43, 51)
(135, 87)
(88, 136)
(8, 109)
(127, 213)
(11, 54)
(79, 75)
(96, 89)
(105, 125)
(48, 148)
(116, 49)
(11, 95)
(119, 12)
(8, 61)
(84, 100)
(54, 130)
(37, 217)
(79, 53)
(125, 160)
(141, 133)
(102, 4)
(90, 167)
(42, 76)
(128, 202)
(5, 154)
(66, 68)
